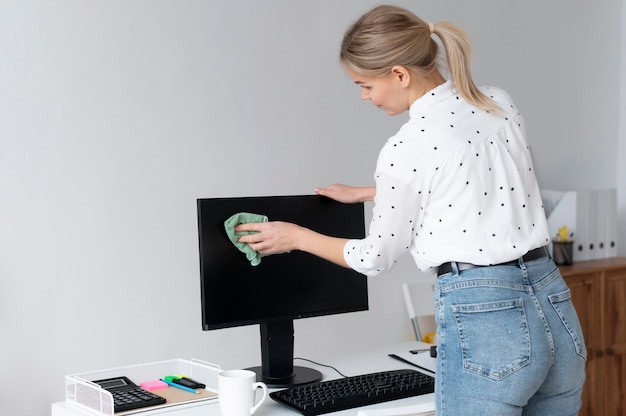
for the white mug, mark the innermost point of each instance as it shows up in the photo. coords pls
(237, 392)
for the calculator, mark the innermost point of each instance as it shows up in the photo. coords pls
(127, 395)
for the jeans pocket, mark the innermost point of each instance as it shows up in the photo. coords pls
(562, 304)
(495, 339)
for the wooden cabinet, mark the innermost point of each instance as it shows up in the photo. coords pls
(598, 290)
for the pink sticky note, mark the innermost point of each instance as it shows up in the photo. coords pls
(153, 385)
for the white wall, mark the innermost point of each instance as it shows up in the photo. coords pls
(116, 115)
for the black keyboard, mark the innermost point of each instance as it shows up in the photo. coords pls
(350, 392)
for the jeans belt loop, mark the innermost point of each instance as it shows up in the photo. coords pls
(455, 268)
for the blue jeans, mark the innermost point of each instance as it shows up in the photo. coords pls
(510, 342)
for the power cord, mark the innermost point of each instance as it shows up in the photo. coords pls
(320, 364)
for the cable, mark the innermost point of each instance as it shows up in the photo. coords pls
(323, 365)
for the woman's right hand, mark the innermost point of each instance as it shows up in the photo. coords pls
(348, 194)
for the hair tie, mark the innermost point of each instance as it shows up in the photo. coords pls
(431, 27)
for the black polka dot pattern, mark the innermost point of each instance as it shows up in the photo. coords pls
(455, 183)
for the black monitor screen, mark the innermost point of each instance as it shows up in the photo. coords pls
(282, 287)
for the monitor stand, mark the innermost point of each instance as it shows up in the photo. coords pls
(277, 369)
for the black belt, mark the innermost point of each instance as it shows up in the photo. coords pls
(535, 254)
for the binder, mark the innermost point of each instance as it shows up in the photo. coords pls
(591, 236)
(601, 230)
(581, 238)
(611, 223)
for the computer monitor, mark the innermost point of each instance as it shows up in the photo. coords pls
(283, 287)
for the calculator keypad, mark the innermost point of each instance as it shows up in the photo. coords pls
(134, 398)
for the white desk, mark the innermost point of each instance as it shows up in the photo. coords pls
(360, 362)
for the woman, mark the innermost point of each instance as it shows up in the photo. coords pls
(455, 188)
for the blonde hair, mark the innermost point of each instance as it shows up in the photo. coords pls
(387, 36)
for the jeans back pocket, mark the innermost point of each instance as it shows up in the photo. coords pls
(562, 304)
(495, 339)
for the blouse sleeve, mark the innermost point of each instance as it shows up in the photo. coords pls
(391, 231)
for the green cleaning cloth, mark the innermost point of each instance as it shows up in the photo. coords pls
(244, 218)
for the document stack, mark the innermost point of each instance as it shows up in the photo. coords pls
(590, 217)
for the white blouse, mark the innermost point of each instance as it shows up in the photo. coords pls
(456, 183)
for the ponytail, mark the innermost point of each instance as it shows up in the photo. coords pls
(459, 55)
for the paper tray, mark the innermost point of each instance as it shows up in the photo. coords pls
(82, 392)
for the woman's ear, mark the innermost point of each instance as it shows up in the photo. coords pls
(401, 74)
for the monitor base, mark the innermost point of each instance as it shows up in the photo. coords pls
(300, 375)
